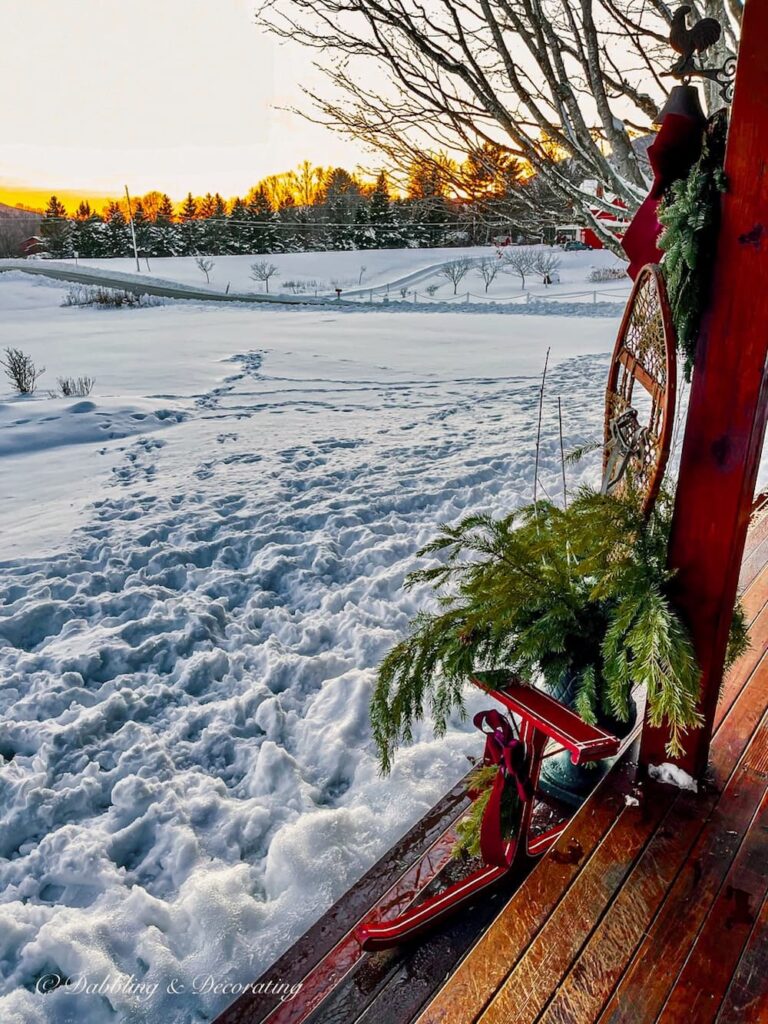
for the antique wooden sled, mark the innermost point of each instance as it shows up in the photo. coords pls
(516, 742)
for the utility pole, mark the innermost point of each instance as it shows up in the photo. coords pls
(133, 231)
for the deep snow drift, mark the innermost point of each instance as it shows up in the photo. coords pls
(190, 618)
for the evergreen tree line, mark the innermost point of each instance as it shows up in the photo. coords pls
(316, 209)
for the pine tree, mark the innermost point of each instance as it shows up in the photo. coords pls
(164, 209)
(380, 213)
(56, 230)
(237, 228)
(262, 233)
(116, 232)
(363, 236)
(164, 234)
(340, 197)
(88, 236)
(189, 229)
(427, 188)
(143, 228)
(206, 207)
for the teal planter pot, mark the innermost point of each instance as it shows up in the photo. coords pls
(565, 781)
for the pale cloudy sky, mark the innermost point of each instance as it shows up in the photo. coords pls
(169, 94)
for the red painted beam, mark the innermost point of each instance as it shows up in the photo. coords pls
(729, 398)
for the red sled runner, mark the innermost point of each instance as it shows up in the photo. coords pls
(515, 743)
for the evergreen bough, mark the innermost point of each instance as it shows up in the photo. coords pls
(690, 217)
(547, 593)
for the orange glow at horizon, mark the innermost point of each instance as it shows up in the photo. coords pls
(37, 198)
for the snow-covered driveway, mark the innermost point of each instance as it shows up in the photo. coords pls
(186, 774)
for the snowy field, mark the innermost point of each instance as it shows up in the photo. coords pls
(383, 271)
(202, 565)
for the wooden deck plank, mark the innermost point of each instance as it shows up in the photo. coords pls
(594, 976)
(644, 988)
(703, 982)
(528, 989)
(480, 974)
(756, 548)
(739, 724)
(746, 1001)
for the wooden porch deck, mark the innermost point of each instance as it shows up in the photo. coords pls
(651, 907)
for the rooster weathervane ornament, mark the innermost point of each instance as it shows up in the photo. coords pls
(689, 42)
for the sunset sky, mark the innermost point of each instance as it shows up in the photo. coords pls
(171, 94)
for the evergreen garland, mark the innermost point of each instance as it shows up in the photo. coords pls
(690, 217)
(543, 593)
(468, 830)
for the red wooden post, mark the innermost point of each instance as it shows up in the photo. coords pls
(729, 398)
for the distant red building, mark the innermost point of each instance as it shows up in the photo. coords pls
(31, 246)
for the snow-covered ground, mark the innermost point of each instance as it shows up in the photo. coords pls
(380, 271)
(201, 567)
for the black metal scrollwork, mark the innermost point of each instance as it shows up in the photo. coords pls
(694, 40)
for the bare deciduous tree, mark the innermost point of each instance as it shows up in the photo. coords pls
(564, 85)
(262, 270)
(205, 265)
(520, 260)
(456, 271)
(546, 263)
(21, 371)
(488, 268)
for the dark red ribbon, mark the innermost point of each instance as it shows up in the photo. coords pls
(502, 748)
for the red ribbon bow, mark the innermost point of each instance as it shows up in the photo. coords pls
(503, 749)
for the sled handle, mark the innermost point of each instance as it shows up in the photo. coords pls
(583, 741)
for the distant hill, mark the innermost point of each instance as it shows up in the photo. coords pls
(16, 211)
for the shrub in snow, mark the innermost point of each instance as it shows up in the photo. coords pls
(309, 285)
(74, 387)
(205, 265)
(599, 274)
(21, 371)
(115, 298)
(431, 289)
